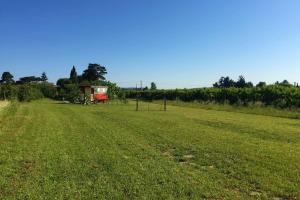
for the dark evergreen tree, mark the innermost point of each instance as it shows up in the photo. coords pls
(153, 86)
(94, 72)
(73, 75)
(44, 77)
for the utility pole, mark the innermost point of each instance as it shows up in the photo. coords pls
(137, 99)
(165, 102)
(4, 93)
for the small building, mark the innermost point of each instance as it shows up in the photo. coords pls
(94, 93)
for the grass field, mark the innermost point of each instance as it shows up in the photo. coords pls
(50, 150)
(3, 104)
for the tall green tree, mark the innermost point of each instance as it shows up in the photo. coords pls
(94, 72)
(224, 82)
(44, 77)
(261, 84)
(7, 77)
(153, 86)
(285, 83)
(241, 82)
(73, 75)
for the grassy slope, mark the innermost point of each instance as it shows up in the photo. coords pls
(50, 150)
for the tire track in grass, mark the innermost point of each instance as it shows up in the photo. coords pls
(137, 119)
(108, 161)
(154, 156)
(67, 160)
(129, 131)
(11, 150)
(169, 144)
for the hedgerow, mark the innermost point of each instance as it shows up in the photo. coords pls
(27, 92)
(276, 95)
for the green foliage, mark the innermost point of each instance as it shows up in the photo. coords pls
(241, 83)
(63, 81)
(29, 79)
(63, 91)
(122, 96)
(7, 77)
(72, 93)
(113, 90)
(276, 95)
(48, 90)
(94, 72)
(153, 86)
(226, 82)
(28, 92)
(44, 77)
(261, 84)
(8, 91)
(284, 83)
(69, 92)
(73, 75)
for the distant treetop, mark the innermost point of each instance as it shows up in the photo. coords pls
(7, 77)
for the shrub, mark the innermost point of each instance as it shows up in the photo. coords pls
(8, 91)
(48, 90)
(29, 92)
(71, 93)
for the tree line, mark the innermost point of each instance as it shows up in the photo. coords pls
(227, 82)
(26, 88)
(225, 90)
(8, 78)
(34, 87)
(240, 92)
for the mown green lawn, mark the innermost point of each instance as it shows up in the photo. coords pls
(50, 150)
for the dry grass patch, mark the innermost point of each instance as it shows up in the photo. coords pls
(3, 104)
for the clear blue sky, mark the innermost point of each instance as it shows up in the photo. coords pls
(175, 43)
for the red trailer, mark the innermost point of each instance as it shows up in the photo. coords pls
(99, 93)
(94, 93)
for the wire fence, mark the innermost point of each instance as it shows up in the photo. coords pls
(140, 104)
